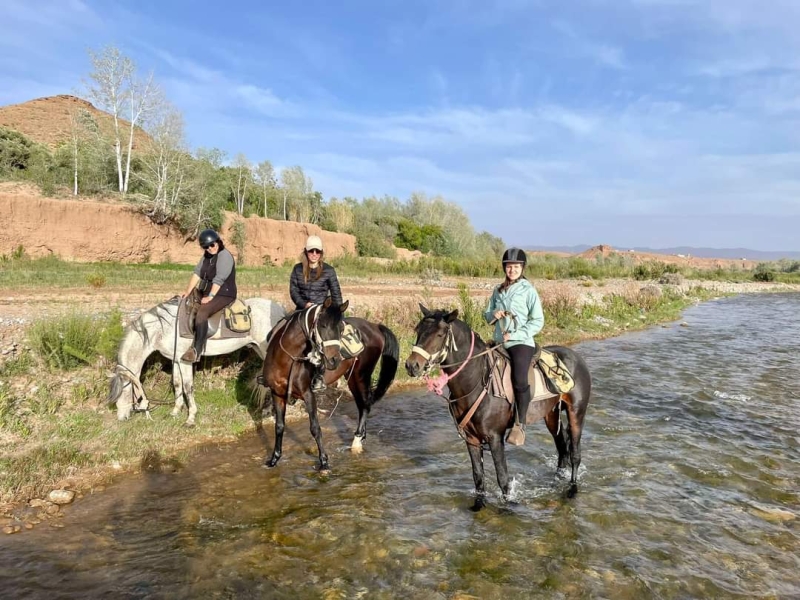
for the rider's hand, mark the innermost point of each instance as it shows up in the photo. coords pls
(506, 337)
(205, 300)
(499, 314)
(309, 304)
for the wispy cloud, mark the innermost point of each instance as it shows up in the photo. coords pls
(630, 119)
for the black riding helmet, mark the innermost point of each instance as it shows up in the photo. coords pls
(207, 237)
(515, 255)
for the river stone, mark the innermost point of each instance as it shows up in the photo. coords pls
(61, 496)
(37, 503)
(52, 509)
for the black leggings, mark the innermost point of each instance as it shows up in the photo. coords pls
(521, 357)
(204, 311)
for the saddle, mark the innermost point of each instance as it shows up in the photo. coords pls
(547, 376)
(232, 322)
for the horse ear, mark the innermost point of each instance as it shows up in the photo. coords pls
(425, 311)
(450, 317)
(327, 302)
(343, 307)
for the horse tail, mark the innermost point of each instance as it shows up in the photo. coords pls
(390, 358)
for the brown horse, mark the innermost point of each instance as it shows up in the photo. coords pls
(288, 373)
(483, 418)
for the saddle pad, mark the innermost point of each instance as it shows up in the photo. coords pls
(216, 325)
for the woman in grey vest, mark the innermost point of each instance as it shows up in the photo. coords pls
(215, 278)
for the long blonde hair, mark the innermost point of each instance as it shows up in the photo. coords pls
(307, 267)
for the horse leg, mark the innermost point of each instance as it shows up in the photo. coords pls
(498, 449)
(360, 392)
(279, 404)
(476, 456)
(575, 430)
(552, 420)
(316, 430)
(183, 384)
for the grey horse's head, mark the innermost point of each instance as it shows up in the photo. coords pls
(124, 393)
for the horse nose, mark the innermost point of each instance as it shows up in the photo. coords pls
(412, 368)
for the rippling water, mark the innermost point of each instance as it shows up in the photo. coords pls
(690, 489)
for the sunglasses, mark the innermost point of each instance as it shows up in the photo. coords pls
(207, 246)
(313, 251)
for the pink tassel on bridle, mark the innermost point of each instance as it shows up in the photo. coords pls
(436, 384)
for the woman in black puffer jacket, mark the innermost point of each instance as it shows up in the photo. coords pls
(311, 283)
(313, 280)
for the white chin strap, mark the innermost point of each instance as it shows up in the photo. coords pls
(437, 357)
(311, 326)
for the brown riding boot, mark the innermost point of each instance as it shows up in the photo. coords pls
(190, 355)
(516, 437)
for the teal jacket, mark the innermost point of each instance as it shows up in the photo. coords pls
(521, 300)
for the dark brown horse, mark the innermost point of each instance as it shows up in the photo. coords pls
(288, 373)
(444, 340)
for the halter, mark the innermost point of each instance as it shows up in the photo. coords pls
(311, 330)
(437, 384)
(310, 318)
(435, 359)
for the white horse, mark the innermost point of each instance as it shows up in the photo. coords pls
(155, 331)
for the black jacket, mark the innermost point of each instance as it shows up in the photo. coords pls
(314, 290)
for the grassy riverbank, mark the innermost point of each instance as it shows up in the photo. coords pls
(57, 433)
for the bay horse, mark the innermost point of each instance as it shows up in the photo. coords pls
(288, 373)
(156, 330)
(482, 418)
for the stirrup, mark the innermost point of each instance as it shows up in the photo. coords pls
(190, 355)
(516, 437)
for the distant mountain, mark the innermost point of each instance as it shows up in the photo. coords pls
(736, 253)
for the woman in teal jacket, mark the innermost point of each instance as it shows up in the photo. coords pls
(517, 312)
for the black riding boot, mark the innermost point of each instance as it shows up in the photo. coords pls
(522, 399)
(192, 355)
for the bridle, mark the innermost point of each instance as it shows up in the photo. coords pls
(310, 328)
(435, 359)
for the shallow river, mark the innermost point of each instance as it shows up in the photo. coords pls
(689, 489)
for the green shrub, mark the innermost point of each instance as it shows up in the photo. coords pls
(764, 272)
(70, 341)
(470, 310)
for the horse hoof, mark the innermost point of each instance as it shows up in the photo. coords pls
(271, 463)
(480, 503)
(357, 446)
(189, 425)
(572, 491)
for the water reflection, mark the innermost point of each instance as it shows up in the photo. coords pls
(690, 490)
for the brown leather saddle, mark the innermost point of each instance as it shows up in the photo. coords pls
(543, 396)
(217, 327)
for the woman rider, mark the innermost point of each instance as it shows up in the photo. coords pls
(312, 281)
(215, 278)
(517, 312)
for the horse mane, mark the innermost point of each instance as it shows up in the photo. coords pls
(159, 312)
(440, 314)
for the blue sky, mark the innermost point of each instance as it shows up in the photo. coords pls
(626, 122)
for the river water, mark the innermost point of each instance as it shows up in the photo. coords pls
(689, 489)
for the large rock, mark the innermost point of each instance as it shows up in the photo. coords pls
(61, 497)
